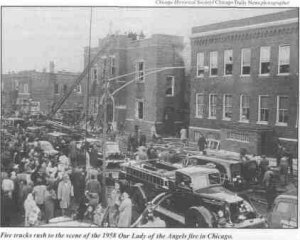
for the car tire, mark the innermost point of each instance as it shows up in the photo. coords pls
(195, 219)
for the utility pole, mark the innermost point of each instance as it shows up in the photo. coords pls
(105, 126)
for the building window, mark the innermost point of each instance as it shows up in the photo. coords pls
(213, 63)
(297, 118)
(200, 64)
(227, 107)
(265, 60)
(282, 110)
(244, 108)
(95, 74)
(263, 109)
(56, 88)
(284, 59)
(139, 110)
(112, 65)
(65, 89)
(77, 89)
(16, 85)
(246, 61)
(228, 62)
(35, 106)
(95, 107)
(140, 67)
(200, 106)
(238, 136)
(103, 73)
(26, 88)
(212, 106)
(170, 86)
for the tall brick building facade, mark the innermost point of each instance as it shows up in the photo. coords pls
(244, 83)
(33, 91)
(155, 95)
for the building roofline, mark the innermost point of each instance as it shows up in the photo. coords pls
(281, 18)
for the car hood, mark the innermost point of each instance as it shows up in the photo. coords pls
(219, 193)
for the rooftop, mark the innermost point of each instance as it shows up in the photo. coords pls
(274, 17)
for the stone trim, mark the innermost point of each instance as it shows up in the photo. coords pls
(241, 36)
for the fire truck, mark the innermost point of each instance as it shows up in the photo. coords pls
(187, 197)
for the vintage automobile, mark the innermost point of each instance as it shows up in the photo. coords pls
(12, 122)
(285, 211)
(197, 199)
(234, 174)
(114, 157)
(46, 147)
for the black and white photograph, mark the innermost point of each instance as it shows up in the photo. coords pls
(149, 117)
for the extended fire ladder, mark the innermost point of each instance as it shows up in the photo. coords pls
(61, 101)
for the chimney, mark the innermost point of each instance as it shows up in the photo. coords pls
(51, 67)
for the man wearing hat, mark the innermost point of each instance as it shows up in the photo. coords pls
(64, 193)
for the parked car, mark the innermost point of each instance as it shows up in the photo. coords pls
(285, 211)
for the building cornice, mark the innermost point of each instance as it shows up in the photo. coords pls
(241, 36)
(247, 27)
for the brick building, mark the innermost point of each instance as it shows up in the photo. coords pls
(33, 91)
(244, 83)
(155, 95)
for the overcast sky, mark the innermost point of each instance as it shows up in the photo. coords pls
(33, 36)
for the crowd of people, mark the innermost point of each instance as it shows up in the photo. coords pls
(37, 187)
(42, 186)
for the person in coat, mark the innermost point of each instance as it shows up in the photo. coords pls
(202, 143)
(78, 182)
(39, 195)
(23, 191)
(32, 211)
(64, 193)
(113, 203)
(125, 210)
(50, 197)
(263, 167)
(93, 188)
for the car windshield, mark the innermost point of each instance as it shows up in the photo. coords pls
(235, 169)
(214, 178)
